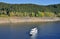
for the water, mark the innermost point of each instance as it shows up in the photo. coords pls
(48, 30)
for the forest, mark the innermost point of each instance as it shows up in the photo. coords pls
(29, 10)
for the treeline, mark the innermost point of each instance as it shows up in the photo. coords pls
(29, 10)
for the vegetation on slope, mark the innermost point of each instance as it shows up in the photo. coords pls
(29, 10)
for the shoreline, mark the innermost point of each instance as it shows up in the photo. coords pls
(27, 19)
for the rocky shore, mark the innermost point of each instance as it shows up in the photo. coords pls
(27, 19)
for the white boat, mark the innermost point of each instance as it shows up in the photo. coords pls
(33, 32)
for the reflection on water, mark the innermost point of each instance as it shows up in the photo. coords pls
(34, 37)
(46, 30)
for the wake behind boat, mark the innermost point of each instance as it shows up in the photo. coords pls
(33, 31)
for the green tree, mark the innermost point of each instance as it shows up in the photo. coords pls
(33, 14)
(41, 14)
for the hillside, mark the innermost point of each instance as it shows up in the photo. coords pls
(6, 8)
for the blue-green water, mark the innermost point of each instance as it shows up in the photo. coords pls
(48, 30)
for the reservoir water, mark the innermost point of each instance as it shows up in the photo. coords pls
(47, 30)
